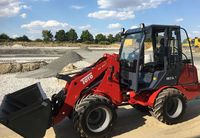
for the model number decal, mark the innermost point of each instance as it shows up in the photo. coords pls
(171, 78)
(87, 78)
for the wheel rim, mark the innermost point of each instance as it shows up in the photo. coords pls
(174, 107)
(98, 119)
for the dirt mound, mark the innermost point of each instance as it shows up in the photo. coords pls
(16, 67)
(20, 67)
(32, 66)
(5, 68)
(69, 67)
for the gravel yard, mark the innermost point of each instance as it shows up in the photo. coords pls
(9, 83)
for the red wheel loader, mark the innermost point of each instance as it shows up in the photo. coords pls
(151, 72)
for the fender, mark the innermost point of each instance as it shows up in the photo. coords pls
(190, 92)
(153, 97)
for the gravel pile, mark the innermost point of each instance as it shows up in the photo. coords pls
(53, 68)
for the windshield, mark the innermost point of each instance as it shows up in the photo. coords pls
(131, 46)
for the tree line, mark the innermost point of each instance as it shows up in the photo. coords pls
(85, 37)
(69, 36)
(5, 38)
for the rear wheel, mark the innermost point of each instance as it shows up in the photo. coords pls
(94, 116)
(169, 106)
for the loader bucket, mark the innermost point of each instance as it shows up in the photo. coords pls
(27, 112)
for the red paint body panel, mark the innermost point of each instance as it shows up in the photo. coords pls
(188, 75)
(109, 86)
(188, 82)
(145, 99)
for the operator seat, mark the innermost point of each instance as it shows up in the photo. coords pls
(146, 77)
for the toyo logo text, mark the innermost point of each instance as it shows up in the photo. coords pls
(87, 78)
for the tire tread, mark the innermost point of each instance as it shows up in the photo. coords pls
(158, 109)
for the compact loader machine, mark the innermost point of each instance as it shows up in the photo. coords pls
(151, 72)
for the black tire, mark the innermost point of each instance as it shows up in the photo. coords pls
(94, 116)
(169, 106)
(143, 109)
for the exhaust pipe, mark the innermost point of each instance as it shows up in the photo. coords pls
(27, 112)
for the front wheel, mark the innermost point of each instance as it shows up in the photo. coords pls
(169, 106)
(94, 116)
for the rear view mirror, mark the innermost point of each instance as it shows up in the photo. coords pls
(142, 26)
(122, 31)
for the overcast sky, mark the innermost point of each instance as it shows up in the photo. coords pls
(30, 17)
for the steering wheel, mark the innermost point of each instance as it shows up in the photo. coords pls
(149, 67)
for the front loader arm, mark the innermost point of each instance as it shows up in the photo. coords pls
(80, 82)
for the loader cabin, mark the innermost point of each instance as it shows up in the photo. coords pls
(152, 57)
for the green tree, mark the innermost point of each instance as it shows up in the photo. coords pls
(4, 37)
(86, 36)
(99, 38)
(23, 38)
(47, 35)
(72, 35)
(60, 36)
(111, 38)
(118, 37)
